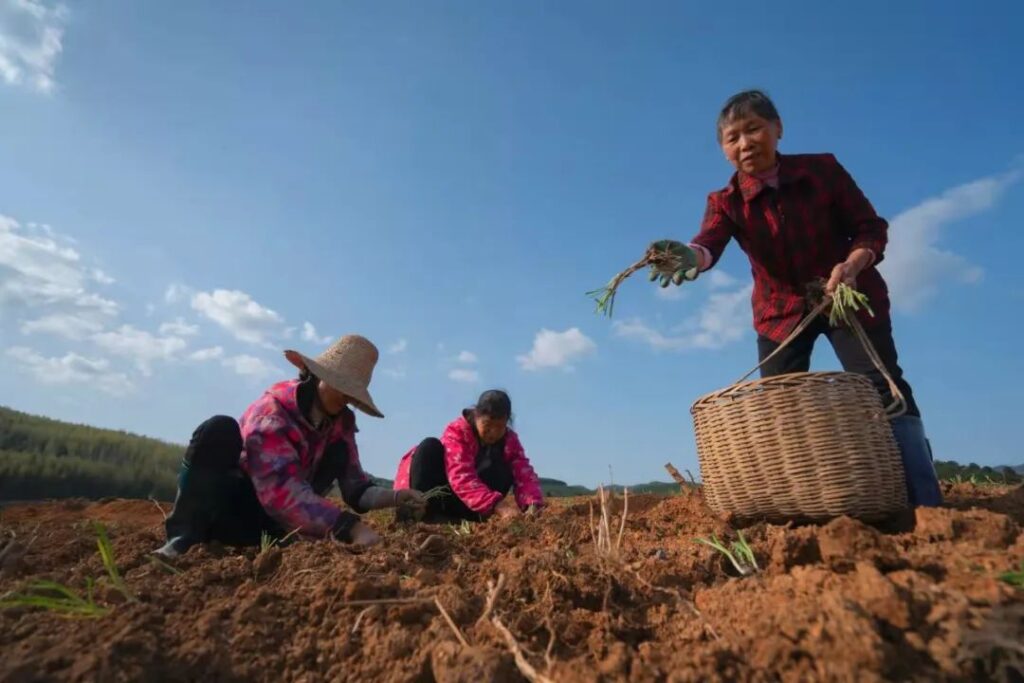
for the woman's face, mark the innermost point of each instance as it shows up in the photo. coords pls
(749, 143)
(331, 399)
(490, 429)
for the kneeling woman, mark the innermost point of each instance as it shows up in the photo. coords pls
(270, 472)
(480, 459)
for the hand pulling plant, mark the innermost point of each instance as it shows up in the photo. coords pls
(740, 554)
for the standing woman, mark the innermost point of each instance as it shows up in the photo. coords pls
(269, 472)
(480, 459)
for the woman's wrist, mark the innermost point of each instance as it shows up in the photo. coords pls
(859, 259)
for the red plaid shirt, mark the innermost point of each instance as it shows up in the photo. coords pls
(796, 234)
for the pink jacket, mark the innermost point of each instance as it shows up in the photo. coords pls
(281, 454)
(460, 450)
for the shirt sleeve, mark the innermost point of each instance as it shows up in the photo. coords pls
(273, 465)
(715, 231)
(867, 230)
(354, 481)
(459, 462)
(526, 484)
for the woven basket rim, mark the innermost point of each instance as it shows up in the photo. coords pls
(777, 381)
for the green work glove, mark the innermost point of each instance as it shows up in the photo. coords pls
(682, 263)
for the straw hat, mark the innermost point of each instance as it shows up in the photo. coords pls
(346, 366)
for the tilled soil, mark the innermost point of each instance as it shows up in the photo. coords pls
(919, 600)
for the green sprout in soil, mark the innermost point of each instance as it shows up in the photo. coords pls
(436, 492)
(463, 529)
(107, 555)
(739, 553)
(1014, 577)
(58, 598)
(65, 601)
(268, 540)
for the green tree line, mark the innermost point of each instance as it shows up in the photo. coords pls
(44, 458)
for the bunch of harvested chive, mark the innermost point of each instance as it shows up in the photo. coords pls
(846, 301)
(605, 296)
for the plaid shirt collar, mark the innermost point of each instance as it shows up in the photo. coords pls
(750, 186)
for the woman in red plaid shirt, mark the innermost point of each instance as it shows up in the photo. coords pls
(801, 219)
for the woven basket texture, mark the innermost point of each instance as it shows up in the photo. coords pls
(804, 446)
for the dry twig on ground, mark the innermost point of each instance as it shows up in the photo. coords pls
(159, 507)
(522, 664)
(493, 589)
(448, 618)
(604, 545)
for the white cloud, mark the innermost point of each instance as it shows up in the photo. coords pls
(670, 293)
(177, 293)
(719, 279)
(42, 276)
(464, 375)
(309, 334)
(249, 366)
(394, 373)
(101, 277)
(140, 346)
(72, 369)
(467, 357)
(399, 346)
(914, 264)
(212, 353)
(725, 318)
(31, 40)
(556, 349)
(237, 313)
(68, 325)
(178, 327)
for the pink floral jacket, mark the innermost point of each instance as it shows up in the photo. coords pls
(281, 453)
(460, 451)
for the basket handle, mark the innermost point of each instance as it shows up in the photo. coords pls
(899, 404)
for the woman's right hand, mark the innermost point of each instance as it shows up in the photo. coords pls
(507, 507)
(683, 263)
(363, 535)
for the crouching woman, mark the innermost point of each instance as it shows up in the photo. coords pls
(269, 473)
(478, 461)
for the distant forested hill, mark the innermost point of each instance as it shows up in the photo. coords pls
(44, 458)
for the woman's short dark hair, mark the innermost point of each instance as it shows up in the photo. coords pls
(746, 103)
(494, 403)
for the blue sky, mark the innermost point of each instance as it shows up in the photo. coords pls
(186, 188)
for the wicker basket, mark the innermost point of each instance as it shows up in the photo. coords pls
(807, 446)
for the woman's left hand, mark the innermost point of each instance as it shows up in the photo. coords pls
(846, 272)
(411, 499)
(507, 507)
(363, 535)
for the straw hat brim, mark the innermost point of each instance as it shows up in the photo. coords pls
(357, 394)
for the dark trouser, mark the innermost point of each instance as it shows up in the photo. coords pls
(216, 500)
(915, 451)
(427, 471)
(797, 357)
